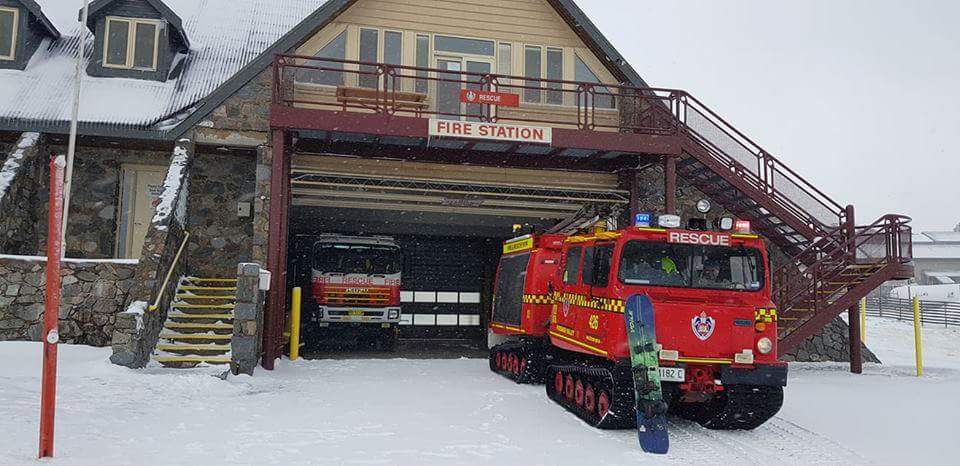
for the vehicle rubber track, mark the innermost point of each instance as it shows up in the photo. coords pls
(523, 362)
(600, 395)
(738, 407)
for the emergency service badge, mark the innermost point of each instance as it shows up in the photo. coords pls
(703, 326)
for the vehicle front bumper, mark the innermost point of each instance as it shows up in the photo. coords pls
(358, 315)
(774, 375)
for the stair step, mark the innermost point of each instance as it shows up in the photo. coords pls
(171, 360)
(194, 348)
(194, 337)
(183, 315)
(206, 288)
(200, 296)
(211, 280)
(195, 326)
(224, 307)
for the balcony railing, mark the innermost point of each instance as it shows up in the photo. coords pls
(346, 85)
(355, 86)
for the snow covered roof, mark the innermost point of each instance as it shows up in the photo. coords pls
(37, 12)
(936, 251)
(225, 36)
(94, 11)
(231, 41)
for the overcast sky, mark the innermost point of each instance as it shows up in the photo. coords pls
(860, 97)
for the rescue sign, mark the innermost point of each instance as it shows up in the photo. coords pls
(700, 238)
(492, 131)
(500, 99)
(517, 246)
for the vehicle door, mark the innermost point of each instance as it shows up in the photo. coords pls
(566, 315)
(596, 280)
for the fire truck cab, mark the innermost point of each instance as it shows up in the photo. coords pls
(353, 285)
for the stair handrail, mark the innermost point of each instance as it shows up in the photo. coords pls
(767, 165)
(173, 266)
(891, 226)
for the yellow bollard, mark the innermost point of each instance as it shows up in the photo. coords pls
(295, 324)
(916, 336)
(863, 320)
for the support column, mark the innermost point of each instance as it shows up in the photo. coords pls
(670, 185)
(276, 253)
(261, 205)
(853, 314)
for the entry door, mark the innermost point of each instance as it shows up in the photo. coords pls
(449, 106)
(140, 193)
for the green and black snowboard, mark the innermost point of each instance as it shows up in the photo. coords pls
(645, 365)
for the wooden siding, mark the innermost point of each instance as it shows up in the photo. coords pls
(455, 173)
(517, 22)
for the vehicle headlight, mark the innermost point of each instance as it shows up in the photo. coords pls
(393, 314)
(764, 345)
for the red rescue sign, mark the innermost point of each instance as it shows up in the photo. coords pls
(500, 99)
(701, 238)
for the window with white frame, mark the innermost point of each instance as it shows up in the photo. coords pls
(131, 43)
(9, 22)
(540, 62)
(603, 97)
(332, 72)
(378, 46)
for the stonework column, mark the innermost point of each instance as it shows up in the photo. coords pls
(247, 320)
(261, 204)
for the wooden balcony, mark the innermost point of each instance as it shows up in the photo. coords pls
(344, 102)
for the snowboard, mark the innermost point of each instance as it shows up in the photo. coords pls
(645, 367)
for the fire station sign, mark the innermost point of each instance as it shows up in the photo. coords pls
(491, 131)
(500, 99)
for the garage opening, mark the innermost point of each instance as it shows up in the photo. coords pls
(449, 222)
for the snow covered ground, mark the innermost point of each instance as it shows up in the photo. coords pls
(423, 412)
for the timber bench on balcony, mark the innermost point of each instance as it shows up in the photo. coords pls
(374, 98)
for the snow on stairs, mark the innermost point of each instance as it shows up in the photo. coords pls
(199, 325)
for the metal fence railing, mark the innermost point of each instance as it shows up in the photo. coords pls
(931, 312)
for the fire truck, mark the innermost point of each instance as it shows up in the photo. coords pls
(559, 301)
(353, 287)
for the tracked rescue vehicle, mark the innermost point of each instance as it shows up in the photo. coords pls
(559, 300)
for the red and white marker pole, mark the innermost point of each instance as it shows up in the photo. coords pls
(51, 312)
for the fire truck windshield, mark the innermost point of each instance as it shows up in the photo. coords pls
(356, 259)
(688, 266)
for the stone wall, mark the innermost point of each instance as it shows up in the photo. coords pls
(93, 294)
(218, 235)
(248, 109)
(831, 344)
(23, 196)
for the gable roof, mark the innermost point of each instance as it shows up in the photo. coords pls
(98, 8)
(234, 41)
(37, 12)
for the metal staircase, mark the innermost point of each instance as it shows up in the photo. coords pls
(199, 326)
(832, 262)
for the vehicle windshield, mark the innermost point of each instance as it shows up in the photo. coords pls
(688, 266)
(356, 259)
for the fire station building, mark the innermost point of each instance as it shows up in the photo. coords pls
(216, 133)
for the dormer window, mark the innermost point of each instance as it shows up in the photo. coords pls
(131, 43)
(9, 22)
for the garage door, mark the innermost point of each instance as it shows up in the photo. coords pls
(396, 185)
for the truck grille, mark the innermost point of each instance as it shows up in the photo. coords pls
(356, 296)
